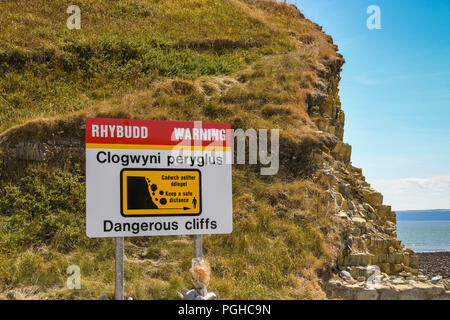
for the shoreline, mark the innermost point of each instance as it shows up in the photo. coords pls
(434, 264)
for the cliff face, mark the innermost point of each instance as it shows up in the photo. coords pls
(371, 225)
(372, 263)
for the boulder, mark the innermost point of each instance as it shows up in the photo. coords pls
(343, 215)
(422, 278)
(374, 198)
(397, 267)
(436, 280)
(346, 275)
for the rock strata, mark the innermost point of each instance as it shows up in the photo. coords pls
(373, 264)
(387, 287)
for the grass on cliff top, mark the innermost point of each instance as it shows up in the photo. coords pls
(123, 46)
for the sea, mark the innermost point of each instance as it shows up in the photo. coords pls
(424, 230)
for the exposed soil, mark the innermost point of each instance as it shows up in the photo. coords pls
(434, 264)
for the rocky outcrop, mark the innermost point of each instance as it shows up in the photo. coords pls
(371, 237)
(373, 264)
(46, 151)
(388, 288)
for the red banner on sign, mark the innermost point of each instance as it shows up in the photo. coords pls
(125, 132)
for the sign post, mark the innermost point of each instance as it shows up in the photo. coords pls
(198, 246)
(157, 178)
(118, 286)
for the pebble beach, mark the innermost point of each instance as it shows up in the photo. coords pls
(434, 264)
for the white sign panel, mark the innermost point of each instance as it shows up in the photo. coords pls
(155, 178)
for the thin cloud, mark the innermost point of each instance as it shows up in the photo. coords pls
(416, 193)
(364, 80)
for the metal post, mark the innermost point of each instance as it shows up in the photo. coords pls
(118, 288)
(198, 246)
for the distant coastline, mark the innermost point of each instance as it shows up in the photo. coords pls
(424, 215)
(424, 230)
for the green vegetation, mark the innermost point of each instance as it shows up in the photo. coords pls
(277, 241)
(248, 63)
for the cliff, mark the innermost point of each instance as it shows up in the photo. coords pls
(254, 64)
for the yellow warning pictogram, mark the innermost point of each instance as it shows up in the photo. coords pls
(153, 192)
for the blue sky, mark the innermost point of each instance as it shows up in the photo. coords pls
(395, 91)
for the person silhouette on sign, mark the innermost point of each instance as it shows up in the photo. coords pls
(194, 202)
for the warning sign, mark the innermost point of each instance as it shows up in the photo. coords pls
(157, 178)
(153, 192)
